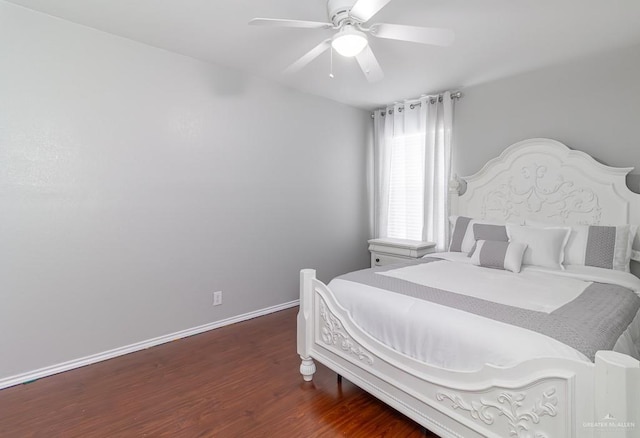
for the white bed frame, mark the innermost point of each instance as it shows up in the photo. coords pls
(541, 179)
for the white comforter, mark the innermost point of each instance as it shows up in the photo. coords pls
(457, 340)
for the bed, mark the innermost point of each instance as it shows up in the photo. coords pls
(514, 356)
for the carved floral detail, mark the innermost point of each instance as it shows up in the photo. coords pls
(334, 334)
(509, 405)
(537, 191)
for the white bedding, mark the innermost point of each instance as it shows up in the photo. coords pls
(585, 273)
(528, 290)
(457, 340)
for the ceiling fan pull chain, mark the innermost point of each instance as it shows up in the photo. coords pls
(331, 63)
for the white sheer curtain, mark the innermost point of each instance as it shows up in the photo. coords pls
(411, 169)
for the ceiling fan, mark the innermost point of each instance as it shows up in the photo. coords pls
(348, 18)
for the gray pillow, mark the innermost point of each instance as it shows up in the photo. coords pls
(457, 235)
(499, 255)
(609, 247)
(496, 233)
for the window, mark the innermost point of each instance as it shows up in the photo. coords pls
(406, 187)
(411, 164)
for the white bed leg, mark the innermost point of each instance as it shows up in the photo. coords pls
(617, 396)
(305, 323)
(307, 369)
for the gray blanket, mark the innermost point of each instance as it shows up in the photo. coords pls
(593, 321)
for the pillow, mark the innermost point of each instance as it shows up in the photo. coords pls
(488, 232)
(608, 247)
(499, 255)
(462, 234)
(545, 246)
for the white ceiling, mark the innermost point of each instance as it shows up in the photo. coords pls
(494, 38)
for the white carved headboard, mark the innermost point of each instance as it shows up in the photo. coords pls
(543, 179)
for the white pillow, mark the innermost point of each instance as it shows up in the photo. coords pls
(499, 254)
(545, 246)
(608, 247)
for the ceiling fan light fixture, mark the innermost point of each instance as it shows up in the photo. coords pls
(349, 42)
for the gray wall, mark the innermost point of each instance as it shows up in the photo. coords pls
(591, 104)
(134, 182)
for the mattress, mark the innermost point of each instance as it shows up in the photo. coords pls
(466, 338)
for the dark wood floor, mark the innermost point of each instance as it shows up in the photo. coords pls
(237, 381)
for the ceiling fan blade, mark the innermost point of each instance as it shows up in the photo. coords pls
(369, 65)
(424, 35)
(365, 9)
(308, 57)
(290, 23)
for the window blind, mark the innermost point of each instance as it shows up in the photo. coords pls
(406, 187)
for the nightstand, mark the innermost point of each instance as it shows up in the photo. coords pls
(387, 251)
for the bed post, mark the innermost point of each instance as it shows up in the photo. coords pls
(305, 323)
(617, 389)
(454, 194)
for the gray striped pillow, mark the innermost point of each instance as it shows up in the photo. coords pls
(609, 247)
(499, 255)
(460, 229)
(488, 232)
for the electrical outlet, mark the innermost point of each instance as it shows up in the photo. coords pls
(217, 298)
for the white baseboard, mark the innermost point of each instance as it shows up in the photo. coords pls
(120, 351)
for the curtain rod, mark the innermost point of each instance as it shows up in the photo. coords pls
(454, 95)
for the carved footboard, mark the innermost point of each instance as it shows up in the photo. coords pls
(537, 398)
